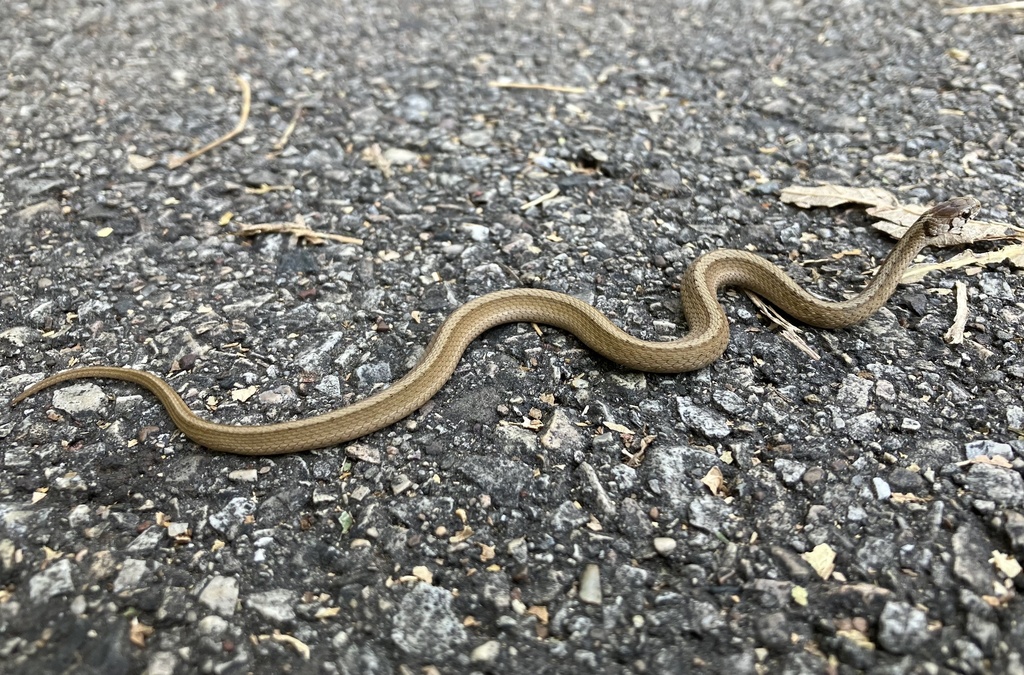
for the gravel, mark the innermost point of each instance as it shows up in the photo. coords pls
(547, 510)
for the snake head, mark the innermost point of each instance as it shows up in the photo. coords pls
(949, 217)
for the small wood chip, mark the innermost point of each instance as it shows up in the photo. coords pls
(955, 334)
(542, 87)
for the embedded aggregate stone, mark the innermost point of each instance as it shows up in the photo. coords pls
(547, 509)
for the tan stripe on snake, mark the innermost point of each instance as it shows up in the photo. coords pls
(706, 340)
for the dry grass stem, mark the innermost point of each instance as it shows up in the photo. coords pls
(243, 117)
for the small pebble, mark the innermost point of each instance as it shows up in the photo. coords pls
(664, 545)
(590, 585)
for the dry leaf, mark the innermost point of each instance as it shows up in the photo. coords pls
(617, 427)
(244, 395)
(539, 611)
(834, 195)
(1014, 253)
(857, 637)
(822, 559)
(906, 498)
(138, 632)
(462, 535)
(300, 647)
(327, 612)
(714, 480)
(955, 334)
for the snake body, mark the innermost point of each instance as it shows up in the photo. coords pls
(705, 342)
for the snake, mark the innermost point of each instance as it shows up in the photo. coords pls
(705, 341)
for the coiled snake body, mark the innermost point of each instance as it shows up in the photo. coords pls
(706, 340)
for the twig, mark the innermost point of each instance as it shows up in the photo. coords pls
(955, 334)
(287, 134)
(298, 229)
(243, 117)
(986, 9)
(789, 331)
(542, 87)
(540, 200)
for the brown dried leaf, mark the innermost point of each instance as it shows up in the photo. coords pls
(835, 195)
(539, 611)
(138, 632)
(1014, 253)
(714, 480)
(823, 559)
(461, 536)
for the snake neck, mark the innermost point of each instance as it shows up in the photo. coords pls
(724, 268)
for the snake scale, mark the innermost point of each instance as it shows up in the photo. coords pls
(706, 340)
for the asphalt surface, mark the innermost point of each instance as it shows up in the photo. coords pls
(548, 511)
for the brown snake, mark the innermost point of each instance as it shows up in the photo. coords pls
(706, 340)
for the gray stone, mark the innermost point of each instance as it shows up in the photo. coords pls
(501, 478)
(863, 427)
(148, 540)
(212, 626)
(902, 628)
(1001, 485)
(561, 433)
(854, 393)
(729, 401)
(789, 471)
(426, 625)
(706, 422)
(274, 606)
(220, 594)
(401, 157)
(971, 552)
(882, 489)
(161, 663)
(370, 374)
(664, 545)
(675, 472)
(1014, 527)
(134, 574)
(230, 520)
(53, 581)
(477, 138)
(567, 517)
(876, 553)
(989, 449)
(79, 397)
(486, 652)
(710, 514)
(477, 232)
